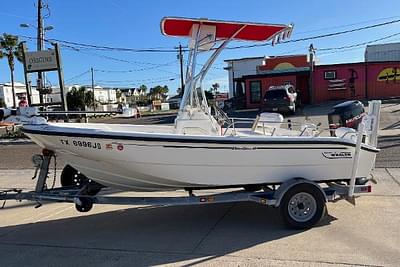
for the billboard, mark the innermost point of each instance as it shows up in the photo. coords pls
(41, 61)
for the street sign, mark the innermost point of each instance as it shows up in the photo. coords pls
(41, 61)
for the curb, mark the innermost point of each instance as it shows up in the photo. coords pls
(15, 141)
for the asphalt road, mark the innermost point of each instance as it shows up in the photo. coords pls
(389, 156)
(240, 234)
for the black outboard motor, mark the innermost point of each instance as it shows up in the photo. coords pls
(346, 114)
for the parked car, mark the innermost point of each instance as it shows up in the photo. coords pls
(281, 99)
(346, 114)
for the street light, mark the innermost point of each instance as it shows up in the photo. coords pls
(26, 25)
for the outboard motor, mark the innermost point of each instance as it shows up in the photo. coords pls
(347, 114)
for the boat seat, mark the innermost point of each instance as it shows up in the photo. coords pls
(246, 132)
(347, 133)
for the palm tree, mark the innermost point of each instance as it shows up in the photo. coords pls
(214, 88)
(143, 88)
(10, 47)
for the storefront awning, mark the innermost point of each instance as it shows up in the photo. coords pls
(284, 71)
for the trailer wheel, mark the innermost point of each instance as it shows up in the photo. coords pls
(303, 206)
(85, 206)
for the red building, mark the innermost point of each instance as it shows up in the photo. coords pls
(363, 80)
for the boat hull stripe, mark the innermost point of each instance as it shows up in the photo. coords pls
(196, 141)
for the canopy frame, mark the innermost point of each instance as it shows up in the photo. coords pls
(191, 95)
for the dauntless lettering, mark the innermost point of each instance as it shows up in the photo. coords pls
(80, 143)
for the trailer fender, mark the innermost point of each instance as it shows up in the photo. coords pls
(283, 188)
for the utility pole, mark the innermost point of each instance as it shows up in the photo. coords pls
(311, 51)
(180, 57)
(94, 99)
(39, 48)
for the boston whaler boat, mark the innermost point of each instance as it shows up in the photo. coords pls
(204, 151)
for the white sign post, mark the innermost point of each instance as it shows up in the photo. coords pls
(41, 61)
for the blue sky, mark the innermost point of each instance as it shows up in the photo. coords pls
(136, 24)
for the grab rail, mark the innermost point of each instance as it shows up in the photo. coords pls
(233, 121)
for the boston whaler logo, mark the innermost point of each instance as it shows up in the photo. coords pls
(337, 155)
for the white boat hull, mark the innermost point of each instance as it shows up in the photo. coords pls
(153, 162)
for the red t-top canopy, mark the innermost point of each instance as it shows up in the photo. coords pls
(181, 27)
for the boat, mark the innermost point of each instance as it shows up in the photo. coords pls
(202, 150)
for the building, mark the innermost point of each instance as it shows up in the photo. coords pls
(237, 68)
(54, 96)
(382, 52)
(281, 70)
(174, 101)
(378, 77)
(20, 93)
(102, 95)
(363, 80)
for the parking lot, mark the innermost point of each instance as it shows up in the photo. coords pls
(245, 234)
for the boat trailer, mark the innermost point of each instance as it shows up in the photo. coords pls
(302, 202)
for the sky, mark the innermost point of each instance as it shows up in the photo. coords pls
(136, 24)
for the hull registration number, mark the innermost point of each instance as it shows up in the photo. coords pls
(81, 143)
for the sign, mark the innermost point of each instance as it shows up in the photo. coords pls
(389, 74)
(156, 102)
(41, 61)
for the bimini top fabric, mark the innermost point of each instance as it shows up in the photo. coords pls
(181, 27)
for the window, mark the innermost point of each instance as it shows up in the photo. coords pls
(239, 90)
(255, 91)
(277, 93)
(330, 75)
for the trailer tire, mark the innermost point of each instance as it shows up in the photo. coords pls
(303, 206)
(85, 206)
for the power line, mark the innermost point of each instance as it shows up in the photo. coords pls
(136, 82)
(110, 48)
(77, 45)
(345, 25)
(135, 70)
(154, 65)
(359, 44)
(141, 80)
(321, 36)
(77, 76)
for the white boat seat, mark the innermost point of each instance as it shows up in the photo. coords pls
(246, 132)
